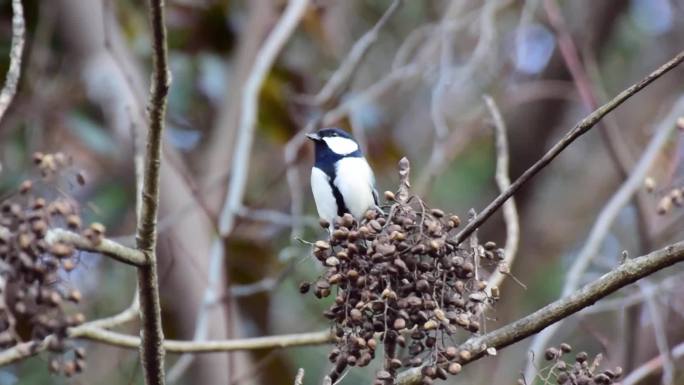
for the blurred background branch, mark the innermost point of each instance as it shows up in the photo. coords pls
(15, 54)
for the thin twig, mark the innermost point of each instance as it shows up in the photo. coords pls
(130, 313)
(404, 180)
(16, 51)
(299, 379)
(86, 332)
(625, 274)
(666, 286)
(437, 115)
(580, 128)
(250, 94)
(659, 331)
(340, 80)
(510, 212)
(240, 167)
(106, 247)
(152, 346)
(211, 296)
(651, 366)
(605, 219)
(609, 131)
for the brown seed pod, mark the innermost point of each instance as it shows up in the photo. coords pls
(25, 187)
(74, 296)
(332, 261)
(55, 367)
(80, 353)
(80, 365)
(551, 354)
(581, 357)
(437, 213)
(38, 157)
(399, 324)
(61, 250)
(430, 325)
(97, 228)
(69, 368)
(454, 368)
(73, 222)
(454, 221)
(389, 196)
(384, 375)
(68, 265)
(375, 226)
(80, 178)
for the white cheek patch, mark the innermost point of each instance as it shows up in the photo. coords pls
(340, 145)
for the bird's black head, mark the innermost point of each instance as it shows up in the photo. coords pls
(333, 144)
(332, 133)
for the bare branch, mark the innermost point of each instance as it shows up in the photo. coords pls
(605, 219)
(609, 131)
(250, 94)
(87, 332)
(509, 209)
(128, 314)
(653, 365)
(404, 182)
(240, 166)
(106, 247)
(214, 346)
(340, 80)
(659, 331)
(580, 129)
(299, 379)
(16, 51)
(211, 295)
(152, 348)
(625, 274)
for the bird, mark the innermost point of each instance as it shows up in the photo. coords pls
(342, 181)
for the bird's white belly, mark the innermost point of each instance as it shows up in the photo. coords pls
(355, 181)
(323, 195)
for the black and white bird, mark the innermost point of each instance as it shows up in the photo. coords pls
(341, 179)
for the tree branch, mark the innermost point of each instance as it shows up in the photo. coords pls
(580, 129)
(106, 247)
(653, 365)
(299, 379)
(509, 210)
(250, 94)
(152, 348)
(232, 205)
(14, 71)
(89, 332)
(605, 220)
(625, 274)
(340, 80)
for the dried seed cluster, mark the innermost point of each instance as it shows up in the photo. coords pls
(667, 199)
(673, 198)
(579, 371)
(32, 305)
(399, 279)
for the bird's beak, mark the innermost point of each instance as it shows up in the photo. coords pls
(313, 136)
